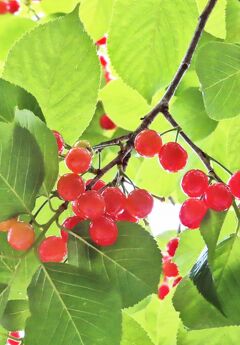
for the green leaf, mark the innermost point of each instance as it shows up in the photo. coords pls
(133, 264)
(15, 315)
(233, 144)
(4, 293)
(50, 6)
(64, 77)
(218, 69)
(147, 40)
(12, 96)
(72, 307)
(21, 170)
(47, 145)
(233, 21)
(188, 109)
(96, 16)
(133, 333)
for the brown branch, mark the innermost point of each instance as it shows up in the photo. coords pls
(162, 106)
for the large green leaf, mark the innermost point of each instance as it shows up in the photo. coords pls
(12, 96)
(70, 306)
(96, 16)
(47, 145)
(133, 264)
(233, 21)
(148, 39)
(50, 6)
(4, 293)
(133, 333)
(218, 69)
(64, 75)
(233, 144)
(15, 315)
(188, 109)
(21, 170)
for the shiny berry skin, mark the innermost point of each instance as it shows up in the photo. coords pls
(13, 6)
(78, 160)
(70, 187)
(172, 246)
(125, 216)
(13, 342)
(76, 210)
(97, 186)
(139, 203)
(114, 200)
(176, 281)
(52, 249)
(218, 197)
(234, 184)
(148, 143)
(163, 291)
(60, 141)
(6, 225)
(91, 204)
(21, 236)
(106, 122)
(192, 213)
(69, 224)
(170, 269)
(3, 7)
(195, 183)
(103, 60)
(102, 41)
(15, 334)
(103, 231)
(173, 157)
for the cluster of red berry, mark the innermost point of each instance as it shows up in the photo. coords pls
(11, 6)
(170, 270)
(15, 338)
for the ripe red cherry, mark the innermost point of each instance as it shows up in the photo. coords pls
(114, 200)
(125, 216)
(102, 41)
(163, 291)
(218, 197)
(234, 184)
(13, 6)
(192, 213)
(3, 7)
(148, 143)
(52, 249)
(6, 225)
(70, 187)
(69, 224)
(170, 269)
(195, 183)
(97, 186)
(176, 281)
(76, 211)
(21, 236)
(173, 157)
(13, 342)
(139, 203)
(60, 141)
(91, 204)
(103, 60)
(103, 231)
(15, 334)
(106, 122)
(78, 160)
(172, 246)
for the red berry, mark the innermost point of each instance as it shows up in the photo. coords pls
(78, 160)
(103, 231)
(172, 246)
(21, 236)
(3, 7)
(163, 291)
(139, 203)
(52, 249)
(108, 77)
(106, 122)
(76, 210)
(97, 186)
(218, 197)
(13, 342)
(60, 141)
(15, 334)
(148, 143)
(170, 269)
(102, 41)
(91, 204)
(114, 200)
(13, 6)
(192, 213)
(125, 216)
(176, 281)
(103, 61)
(6, 225)
(173, 157)
(69, 224)
(195, 183)
(70, 187)
(234, 184)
